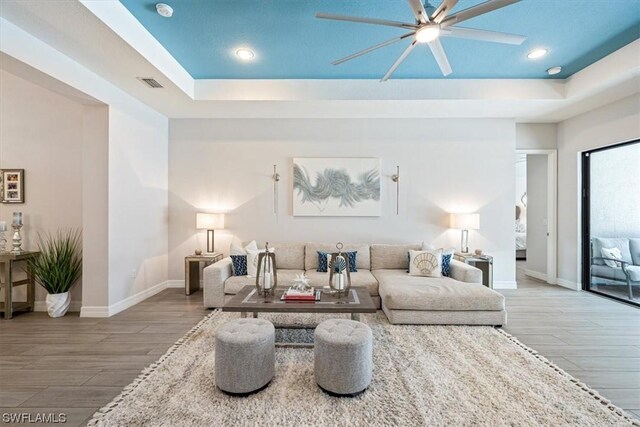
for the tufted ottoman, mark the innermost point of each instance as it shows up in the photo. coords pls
(343, 356)
(245, 355)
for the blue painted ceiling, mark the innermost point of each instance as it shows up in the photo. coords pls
(290, 43)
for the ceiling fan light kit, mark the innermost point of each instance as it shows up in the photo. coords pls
(429, 27)
(427, 33)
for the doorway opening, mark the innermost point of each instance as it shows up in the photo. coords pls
(535, 210)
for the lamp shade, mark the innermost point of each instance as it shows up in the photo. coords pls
(209, 221)
(468, 221)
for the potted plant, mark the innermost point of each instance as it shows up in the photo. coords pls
(58, 268)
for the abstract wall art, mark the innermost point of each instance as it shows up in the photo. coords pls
(336, 187)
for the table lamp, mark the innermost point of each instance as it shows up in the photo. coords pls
(465, 222)
(210, 222)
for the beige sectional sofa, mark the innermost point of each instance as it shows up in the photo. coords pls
(382, 269)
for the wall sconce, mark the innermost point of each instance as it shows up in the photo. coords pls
(396, 178)
(276, 179)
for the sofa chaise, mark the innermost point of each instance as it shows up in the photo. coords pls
(460, 299)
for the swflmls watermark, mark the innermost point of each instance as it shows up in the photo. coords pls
(34, 418)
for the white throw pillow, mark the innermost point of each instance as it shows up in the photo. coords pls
(425, 263)
(252, 261)
(612, 253)
(239, 250)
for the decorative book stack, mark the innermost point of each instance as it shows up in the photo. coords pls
(295, 295)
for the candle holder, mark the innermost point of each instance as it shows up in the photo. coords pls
(339, 274)
(17, 239)
(267, 274)
(3, 242)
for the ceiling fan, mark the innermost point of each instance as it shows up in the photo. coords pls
(429, 27)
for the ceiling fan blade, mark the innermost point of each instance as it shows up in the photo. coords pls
(472, 12)
(399, 61)
(372, 48)
(360, 20)
(418, 10)
(443, 10)
(487, 36)
(441, 57)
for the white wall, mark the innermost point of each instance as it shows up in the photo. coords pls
(537, 213)
(536, 136)
(42, 132)
(95, 203)
(613, 123)
(446, 165)
(129, 178)
(138, 203)
(615, 192)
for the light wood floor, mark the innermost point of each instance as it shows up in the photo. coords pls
(595, 339)
(76, 365)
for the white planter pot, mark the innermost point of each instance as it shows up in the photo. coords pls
(58, 304)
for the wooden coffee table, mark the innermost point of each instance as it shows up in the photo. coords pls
(248, 301)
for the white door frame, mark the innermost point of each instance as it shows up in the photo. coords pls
(552, 210)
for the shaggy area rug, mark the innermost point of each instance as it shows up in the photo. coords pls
(423, 375)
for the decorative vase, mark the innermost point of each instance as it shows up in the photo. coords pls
(267, 274)
(339, 275)
(58, 304)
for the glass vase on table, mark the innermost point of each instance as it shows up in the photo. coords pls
(267, 275)
(340, 277)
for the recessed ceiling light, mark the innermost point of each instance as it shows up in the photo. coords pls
(245, 54)
(427, 34)
(554, 70)
(537, 53)
(164, 10)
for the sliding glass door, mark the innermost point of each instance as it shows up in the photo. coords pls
(611, 221)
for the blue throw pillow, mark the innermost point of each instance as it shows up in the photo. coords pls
(323, 267)
(322, 262)
(239, 265)
(446, 264)
(352, 261)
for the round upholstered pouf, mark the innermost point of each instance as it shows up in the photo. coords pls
(343, 351)
(245, 355)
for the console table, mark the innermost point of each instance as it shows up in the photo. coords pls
(192, 270)
(483, 262)
(8, 261)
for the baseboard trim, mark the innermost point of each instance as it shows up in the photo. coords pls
(74, 306)
(175, 283)
(101, 311)
(569, 284)
(94, 311)
(505, 284)
(180, 284)
(536, 275)
(135, 299)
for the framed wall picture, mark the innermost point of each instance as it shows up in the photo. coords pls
(336, 187)
(12, 185)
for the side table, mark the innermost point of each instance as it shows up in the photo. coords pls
(192, 270)
(483, 262)
(8, 261)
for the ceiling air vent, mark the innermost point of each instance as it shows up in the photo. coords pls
(151, 82)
